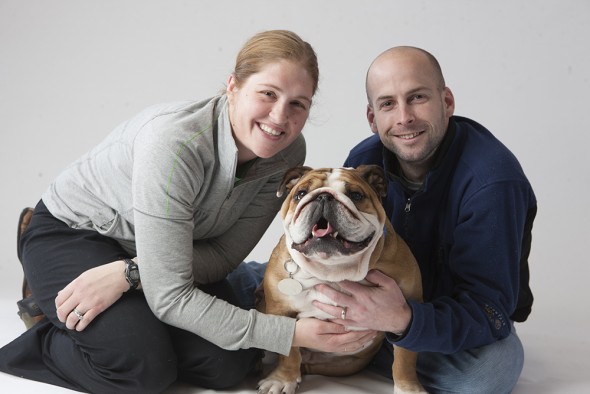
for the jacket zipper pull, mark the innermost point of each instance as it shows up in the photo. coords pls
(408, 205)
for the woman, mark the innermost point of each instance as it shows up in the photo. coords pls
(189, 189)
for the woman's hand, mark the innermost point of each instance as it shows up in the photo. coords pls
(90, 294)
(329, 337)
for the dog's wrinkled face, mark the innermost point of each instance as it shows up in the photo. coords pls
(333, 219)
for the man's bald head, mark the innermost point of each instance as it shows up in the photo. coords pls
(410, 56)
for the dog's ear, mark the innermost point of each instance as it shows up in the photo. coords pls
(374, 176)
(291, 177)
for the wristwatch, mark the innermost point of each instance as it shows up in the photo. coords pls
(131, 274)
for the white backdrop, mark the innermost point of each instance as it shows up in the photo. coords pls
(72, 70)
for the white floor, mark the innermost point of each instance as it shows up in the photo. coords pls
(556, 362)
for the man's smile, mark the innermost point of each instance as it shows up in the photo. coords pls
(410, 135)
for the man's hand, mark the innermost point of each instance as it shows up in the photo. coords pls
(380, 307)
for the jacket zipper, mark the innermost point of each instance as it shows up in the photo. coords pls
(408, 205)
(407, 210)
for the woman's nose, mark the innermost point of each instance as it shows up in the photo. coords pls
(279, 113)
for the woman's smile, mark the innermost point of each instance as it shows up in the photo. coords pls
(269, 130)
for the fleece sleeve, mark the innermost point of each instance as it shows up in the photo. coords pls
(170, 259)
(483, 260)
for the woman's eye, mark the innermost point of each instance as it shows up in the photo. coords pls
(299, 104)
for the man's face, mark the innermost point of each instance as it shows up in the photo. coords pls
(408, 108)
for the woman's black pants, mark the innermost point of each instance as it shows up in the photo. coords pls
(125, 349)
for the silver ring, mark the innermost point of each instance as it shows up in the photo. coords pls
(343, 313)
(79, 315)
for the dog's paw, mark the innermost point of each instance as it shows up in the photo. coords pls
(276, 386)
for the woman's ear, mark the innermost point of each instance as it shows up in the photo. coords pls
(231, 87)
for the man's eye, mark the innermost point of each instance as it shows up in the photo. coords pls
(387, 104)
(268, 93)
(418, 98)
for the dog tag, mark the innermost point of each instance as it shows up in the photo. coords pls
(290, 287)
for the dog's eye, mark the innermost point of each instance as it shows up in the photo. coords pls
(356, 196)
(299, 195)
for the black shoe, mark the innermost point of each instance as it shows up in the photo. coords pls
(28, 310)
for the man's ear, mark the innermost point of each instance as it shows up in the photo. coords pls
(449, 101)
(371, 119)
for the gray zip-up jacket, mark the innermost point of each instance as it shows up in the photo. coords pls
(163, 185)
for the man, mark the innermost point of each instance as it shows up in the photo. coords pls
(461, 201)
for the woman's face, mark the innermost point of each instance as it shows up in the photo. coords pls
(269, 109)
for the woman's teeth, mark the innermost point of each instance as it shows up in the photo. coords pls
(269, 130)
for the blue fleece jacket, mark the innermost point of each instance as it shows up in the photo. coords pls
(469, 227)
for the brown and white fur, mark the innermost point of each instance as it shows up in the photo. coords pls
(335, 229)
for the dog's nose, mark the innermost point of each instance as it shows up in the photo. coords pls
(325, 197)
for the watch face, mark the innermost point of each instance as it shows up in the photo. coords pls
(134, 275)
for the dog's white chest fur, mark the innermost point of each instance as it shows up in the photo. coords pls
(303, 302)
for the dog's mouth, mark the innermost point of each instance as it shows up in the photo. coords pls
(324, 238)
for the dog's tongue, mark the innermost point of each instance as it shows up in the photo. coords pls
(322, 232)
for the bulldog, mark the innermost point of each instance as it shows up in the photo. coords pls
(335, 229)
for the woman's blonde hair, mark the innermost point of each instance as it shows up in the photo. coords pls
(271, 46)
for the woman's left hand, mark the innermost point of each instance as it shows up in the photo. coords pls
(90, 294)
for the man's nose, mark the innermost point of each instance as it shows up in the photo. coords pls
(406, 115)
